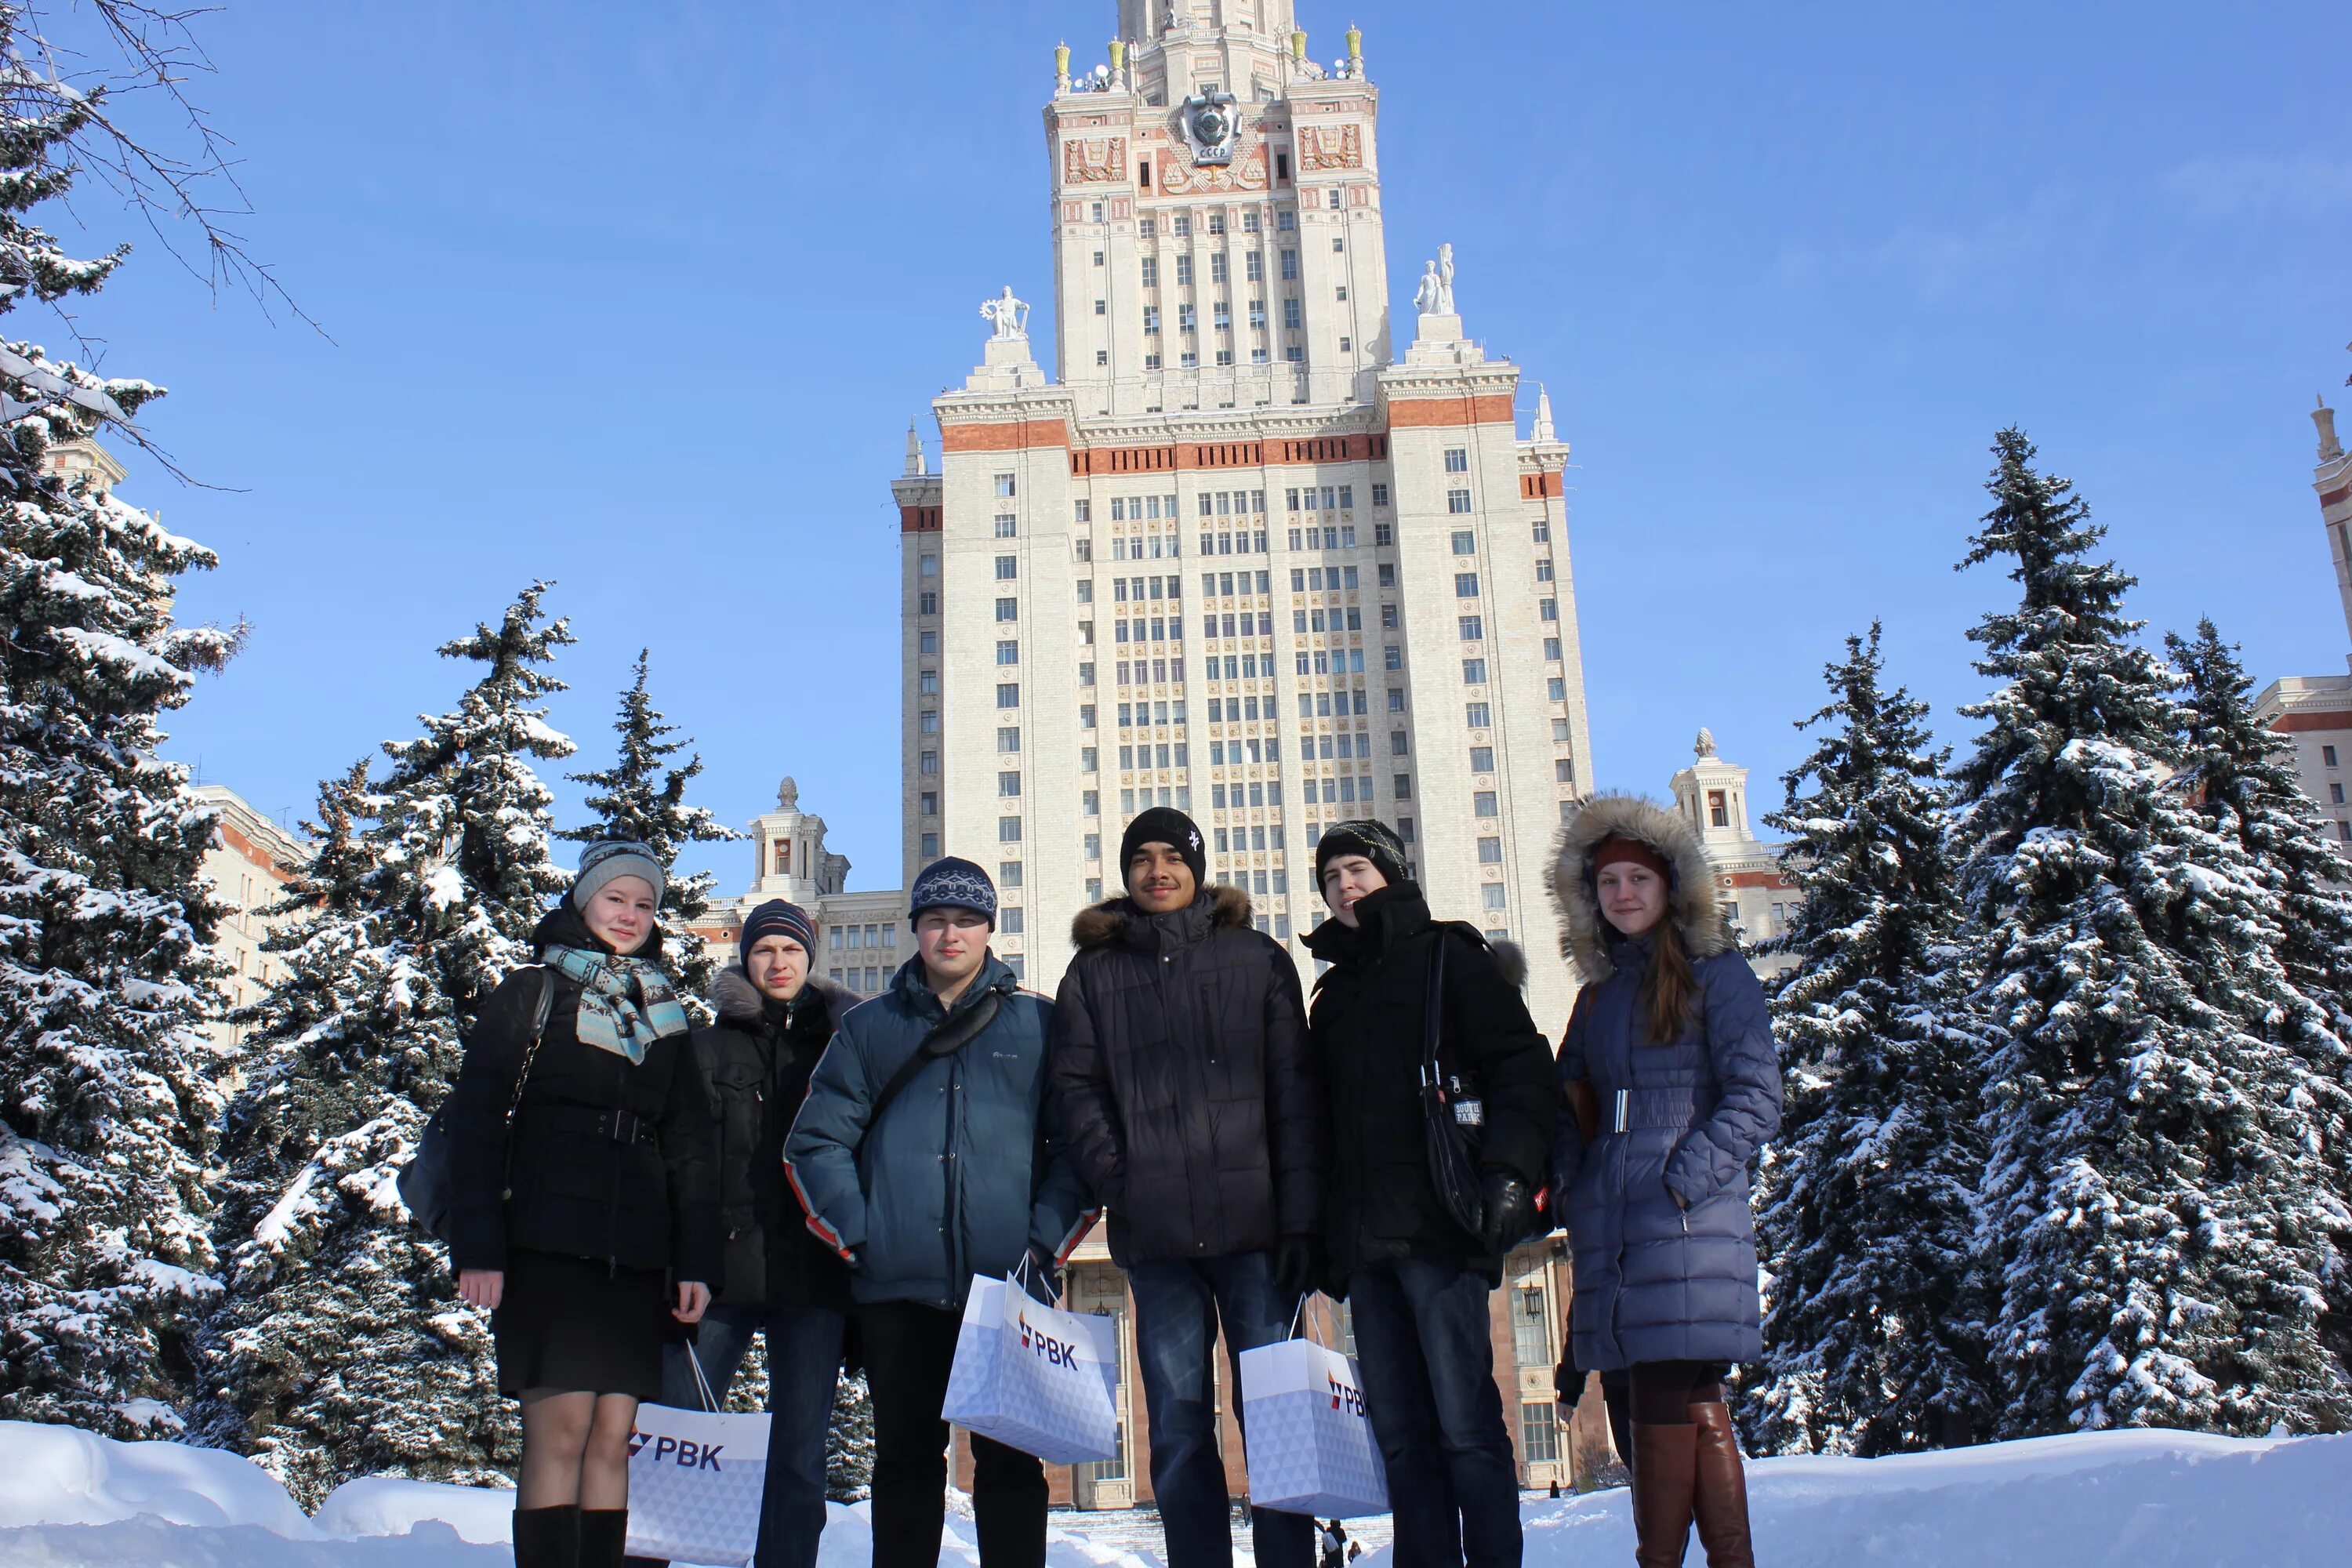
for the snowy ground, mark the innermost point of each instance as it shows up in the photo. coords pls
(2146, 1499)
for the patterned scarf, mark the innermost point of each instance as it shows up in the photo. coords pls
(625, 1004)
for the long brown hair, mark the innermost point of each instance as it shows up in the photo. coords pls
(1670, 987)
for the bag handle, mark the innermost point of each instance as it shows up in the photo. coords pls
(702, 1381)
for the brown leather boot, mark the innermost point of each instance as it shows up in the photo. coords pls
(1664, 1481)
(1720, 1498)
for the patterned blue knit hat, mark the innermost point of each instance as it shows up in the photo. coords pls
(952, 884)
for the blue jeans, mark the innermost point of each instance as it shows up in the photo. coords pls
(804, 1363)
(1179, 1303)
(1423, 1348)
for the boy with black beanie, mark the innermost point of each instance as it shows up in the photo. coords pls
(1183, 1080)
(1417, 1276)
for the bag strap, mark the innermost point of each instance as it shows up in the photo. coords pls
(1432, 1010)
(537, 1033)
(946, 1037)
(530, 1054)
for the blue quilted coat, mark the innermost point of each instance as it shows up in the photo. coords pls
(1657, 1204)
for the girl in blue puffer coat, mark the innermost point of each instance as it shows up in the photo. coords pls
(1669, 1067)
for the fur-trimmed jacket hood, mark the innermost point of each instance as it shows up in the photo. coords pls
(739, 1004)
(759, 1062)
(1585, 933)
(1100, 925)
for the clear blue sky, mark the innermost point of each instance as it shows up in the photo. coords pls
(640, 298)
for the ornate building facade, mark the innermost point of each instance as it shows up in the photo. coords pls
(1250, 550)
(250, 862)
(2315, 711)
(861, 937)
(1749, 884)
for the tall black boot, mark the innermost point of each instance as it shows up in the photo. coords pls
(603, 1537)
(547, 1537)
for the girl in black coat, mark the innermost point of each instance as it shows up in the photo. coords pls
(567, 1221)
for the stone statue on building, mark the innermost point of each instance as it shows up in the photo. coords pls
(1425, 297)
(1435, 296)
(1706, 746)
(788, 794)
(1010, 316)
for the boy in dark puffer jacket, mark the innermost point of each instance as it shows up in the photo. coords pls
(775, 1018)
(1183, 1076)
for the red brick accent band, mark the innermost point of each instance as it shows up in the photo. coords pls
(1113, 460)
(254, 853)
(2332, 497)
(1013, 436)
(919, 518)
(2299, 724)
(1535, 487)
(1421, 412)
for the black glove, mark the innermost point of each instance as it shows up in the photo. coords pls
(1298, 1264)
(1510, 1211)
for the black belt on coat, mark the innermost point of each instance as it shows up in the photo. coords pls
(620, 1126)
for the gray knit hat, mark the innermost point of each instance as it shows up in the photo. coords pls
(600, 863)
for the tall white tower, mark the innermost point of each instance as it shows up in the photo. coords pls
(1240, 553)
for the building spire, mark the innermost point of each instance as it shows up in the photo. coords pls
(1543, 430)
(914, 450)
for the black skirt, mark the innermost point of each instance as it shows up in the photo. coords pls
(579, 1325)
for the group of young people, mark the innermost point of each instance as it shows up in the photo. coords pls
(639, 1197)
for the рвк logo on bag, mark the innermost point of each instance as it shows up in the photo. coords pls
(679, 1452)
(1351, 1399)
(1055, 1352)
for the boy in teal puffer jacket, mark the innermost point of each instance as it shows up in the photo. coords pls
(929, 1188)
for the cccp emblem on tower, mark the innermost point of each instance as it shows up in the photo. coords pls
(1210, 127)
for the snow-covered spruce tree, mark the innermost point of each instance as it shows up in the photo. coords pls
(269, 1132)
(341, 1349)
(2150, 1234)
(644, 800)
(1864, 1212)
(108, 1080)
(849, 1443)
(2236, 775)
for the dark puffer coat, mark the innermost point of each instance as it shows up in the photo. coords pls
(758, 1058)
(611, 1159)
(1657, 1213)
(964, 1172)
(1186, 1082)
(1367, 1025)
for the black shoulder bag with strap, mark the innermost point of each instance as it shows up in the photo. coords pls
(427, 1183)
(946, 1037)
(1452, 1143)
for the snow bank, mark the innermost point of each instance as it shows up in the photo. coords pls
(387, 1505)
(2109, 1500)
(2129, 1500)
(60, 1474)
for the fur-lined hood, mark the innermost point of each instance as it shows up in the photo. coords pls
(1100, 925)
(739, 1003)
(1692, 904)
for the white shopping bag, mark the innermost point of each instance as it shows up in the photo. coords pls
(1310, 1444)
(1034, 1377)
(695, 1482)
